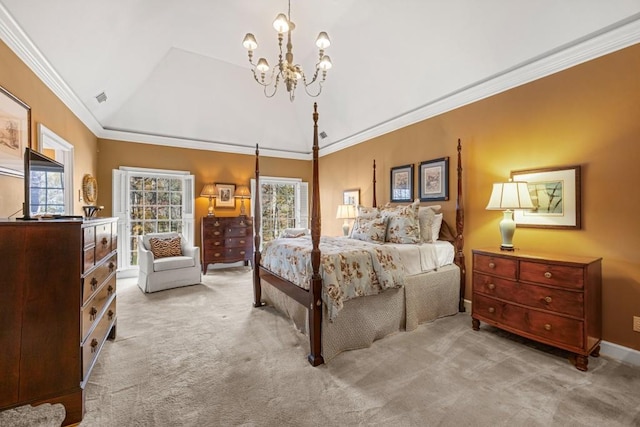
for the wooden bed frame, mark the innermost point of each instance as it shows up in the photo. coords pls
(311, 298)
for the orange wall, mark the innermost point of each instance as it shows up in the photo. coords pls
(206, 166)
(47, 109)
(588, 115)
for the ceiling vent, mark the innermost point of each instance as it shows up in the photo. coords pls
(101, 97)
(323, 134)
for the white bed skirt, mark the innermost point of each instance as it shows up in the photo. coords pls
(424, 298)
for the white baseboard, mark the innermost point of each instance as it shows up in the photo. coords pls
(623, 354)
(614, 351)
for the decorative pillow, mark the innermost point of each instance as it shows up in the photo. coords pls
(435, 227)
(294, 232)
(370, 230)
(368, 213)
(403, 225)
(427, 218)
(163, 248)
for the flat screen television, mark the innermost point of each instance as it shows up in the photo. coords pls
(43, 186)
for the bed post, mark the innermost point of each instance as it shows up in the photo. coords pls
(315, 288)
(375, 204)
(257, 290)
(459, 242)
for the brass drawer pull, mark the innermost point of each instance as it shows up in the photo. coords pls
(548, 300)
(217, 243)
(491, 286)
(547, 275)
(492, 265)
(241, 222)
(92, 313)
(242, 252)
(94, 283)
(547, 327)
(242, 242)
(492, 310)
(94, 345)
(216, 254)
(216, 233)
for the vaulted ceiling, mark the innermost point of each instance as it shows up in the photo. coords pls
(175, 72)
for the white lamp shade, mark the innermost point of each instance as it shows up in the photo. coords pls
(281, 23)
(242, 192)
(249, 42)
(510, 195)
(346, 212)
(323, 41)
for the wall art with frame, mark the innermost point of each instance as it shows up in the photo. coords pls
(15, 133)
(225, 198)
(402, 183)
(434, 180)
(351, 197)
(555, 193)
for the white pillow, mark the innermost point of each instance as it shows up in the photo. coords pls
(435, 227)
(426, 219)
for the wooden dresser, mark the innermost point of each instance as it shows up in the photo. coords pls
(226, 239)
(553, 299)
(57, 307)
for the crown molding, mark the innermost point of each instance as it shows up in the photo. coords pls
(610, 39)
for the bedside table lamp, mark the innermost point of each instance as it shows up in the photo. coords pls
(210, 191)
(242, 192)
(508, 196)
(346, 212)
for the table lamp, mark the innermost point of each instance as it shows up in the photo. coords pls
(210, 191)
(242, 192)
(508, 196)
(346, 212)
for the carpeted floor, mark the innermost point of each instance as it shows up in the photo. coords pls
(202, 356)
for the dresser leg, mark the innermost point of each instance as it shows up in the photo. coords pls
(475, 324)
(596, 352)
(582, 362)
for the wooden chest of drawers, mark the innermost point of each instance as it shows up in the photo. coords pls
(226, 239)
(57, 308)
(553, 299)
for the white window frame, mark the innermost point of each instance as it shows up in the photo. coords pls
(122, 209)
(302, 198)
(64, 151)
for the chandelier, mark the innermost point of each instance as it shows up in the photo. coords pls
(287, 71)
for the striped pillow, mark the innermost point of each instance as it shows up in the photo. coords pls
(163, 248)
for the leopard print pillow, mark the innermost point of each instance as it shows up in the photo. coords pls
(163, 248)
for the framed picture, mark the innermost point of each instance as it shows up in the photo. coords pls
(402, 183)
(225, 198)
(15, 133)
(555, 193)
(434, 180)
(351, 197)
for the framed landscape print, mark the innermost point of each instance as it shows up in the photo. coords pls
(15, 133)
(402, 183)
(225, 197)
(434, 180)
(555, 193)
(351, 197)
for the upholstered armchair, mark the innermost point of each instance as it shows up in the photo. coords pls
(166, 262)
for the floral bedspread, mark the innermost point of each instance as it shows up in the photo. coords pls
(349, 268)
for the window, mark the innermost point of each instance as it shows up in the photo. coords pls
(283, 204)
(53, 192)
(150, 201)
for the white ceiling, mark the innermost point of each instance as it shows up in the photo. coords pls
(175, 72)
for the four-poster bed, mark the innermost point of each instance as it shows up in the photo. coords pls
(404, 304)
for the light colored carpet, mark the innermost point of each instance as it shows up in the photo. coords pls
(202, 356)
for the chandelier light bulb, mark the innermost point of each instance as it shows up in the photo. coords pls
(249, 42)
(323, 41)
(281, 23)
(263, 65)
(325, 63)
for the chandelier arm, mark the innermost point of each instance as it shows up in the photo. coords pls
(306, 89)
(275, 87)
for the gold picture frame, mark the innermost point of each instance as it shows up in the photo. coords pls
(15, 133)
(225, 198)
